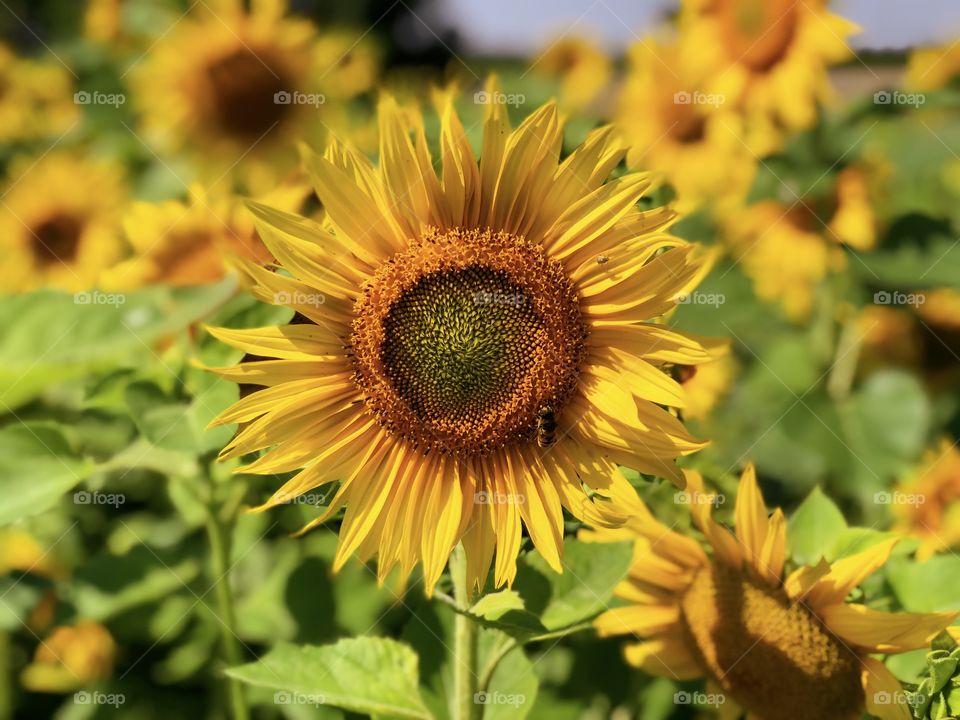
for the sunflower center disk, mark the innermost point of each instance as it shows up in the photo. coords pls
(769, 655)
(460, 340)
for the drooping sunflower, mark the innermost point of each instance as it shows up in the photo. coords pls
(228, 84)
(190, 243)
(772, 643)
(51, 237)
(37, 98)
(768, 57)
(927, 504)
(477, 356)
(675, 124)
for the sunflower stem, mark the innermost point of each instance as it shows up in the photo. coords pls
(218, 534)
(464, 642)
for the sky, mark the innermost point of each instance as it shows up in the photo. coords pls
(523, 26)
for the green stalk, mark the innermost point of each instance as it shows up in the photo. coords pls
(464, 642)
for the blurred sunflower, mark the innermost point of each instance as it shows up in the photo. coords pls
(71, 657)
(675, 127)
(787, 249)
(480, 359)
(706, 384)
(60, 221)
(228, 84)
(927, 505)
(933, 68)
(582, 68)
(768, 57)
(768, 641)
(102, 20)
(350, 64)
(37, 98)
(188, 243)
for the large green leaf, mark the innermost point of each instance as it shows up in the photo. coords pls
(814, 528)
(375, 676)
(36, 468)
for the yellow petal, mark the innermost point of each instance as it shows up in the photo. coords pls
(884, 695)
(846, 574)
(880, 632)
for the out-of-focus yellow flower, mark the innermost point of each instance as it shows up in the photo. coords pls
(350, 65)
(854, 222)
(705, 385)
(941, 307)
(582, 68)
(768, 638)
(768, 57)
(20, 551)
(933, 68)
(37, 98)
(101, 21)
(60, 221)
(71, 657)
(927, 504)
(230, 85)
(888, 336)
(189, 243)
(675, 126)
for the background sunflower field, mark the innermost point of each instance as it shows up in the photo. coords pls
(820, 173)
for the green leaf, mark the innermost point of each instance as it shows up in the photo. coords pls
(36, 468)
(931, 586)
(375, 676)
(512, 689)
(814, 528)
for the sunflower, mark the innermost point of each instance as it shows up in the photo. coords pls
(789, 248)
(674, 125)
(37, 98)
(477, 357)
(927, 505)
(933, 68)
(582, 68)
(227, 84)
(189, 243)
(706, 384)
(768, 641)
(55, 237)
(768, 57)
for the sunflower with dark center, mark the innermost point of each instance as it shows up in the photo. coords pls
(448, 312)
(773, 645)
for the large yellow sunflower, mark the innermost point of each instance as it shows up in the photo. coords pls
(232, 85)
(677, 125)
(778, 646)
(60, 221)
(769, 57)
(478, 356)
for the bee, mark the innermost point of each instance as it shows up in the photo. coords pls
(546, 427)
(601, 259)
